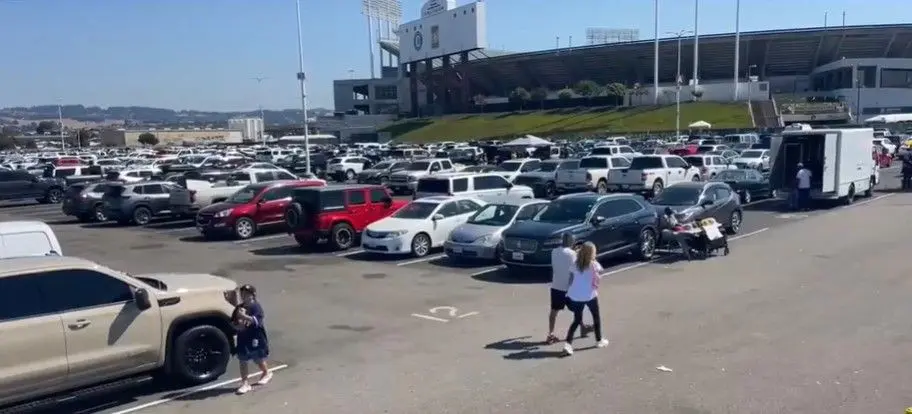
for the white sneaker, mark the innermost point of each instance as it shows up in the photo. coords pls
(568, 349)
(265, 379)
(601, 344)
(244, 389)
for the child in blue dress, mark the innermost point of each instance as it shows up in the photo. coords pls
(252, 344)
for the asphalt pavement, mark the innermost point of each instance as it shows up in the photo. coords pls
(805, 315)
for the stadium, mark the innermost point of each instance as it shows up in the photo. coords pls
(816, 75)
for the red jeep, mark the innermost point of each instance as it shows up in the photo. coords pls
(337, 213)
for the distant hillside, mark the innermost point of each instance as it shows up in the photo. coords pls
(142, 115)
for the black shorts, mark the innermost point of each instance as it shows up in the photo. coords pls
(558, 299)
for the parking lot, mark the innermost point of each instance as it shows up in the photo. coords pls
(806, 315)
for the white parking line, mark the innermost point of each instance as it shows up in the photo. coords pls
(423, 259)
(350, 252)
(765, 200)
(488, 270)
(184, 394)
(175, 230)
(870, 200)
(258, 239)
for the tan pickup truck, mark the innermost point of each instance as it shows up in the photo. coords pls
(73, 328)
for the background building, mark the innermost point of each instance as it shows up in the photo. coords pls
(130, 138)
(252, 129)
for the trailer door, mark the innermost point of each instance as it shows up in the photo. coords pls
(830, 163)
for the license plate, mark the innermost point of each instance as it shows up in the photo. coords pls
(457, 249)
(518, 256)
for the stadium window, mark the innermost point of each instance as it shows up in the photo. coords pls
(896, 78)
(386, 92)
(867, 76)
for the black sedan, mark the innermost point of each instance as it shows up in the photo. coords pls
(748, 183)
(697, 200)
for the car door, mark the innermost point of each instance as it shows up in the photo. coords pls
(271, 205)
(107, 335)
(435, 167)
(726, 203)
(157, 197)
(677, 169)
(358, 206)
(33, 350)
(499, 186)
(757, 184)
(606, 231)
(451, 213)
(711, 209)
(381, 204)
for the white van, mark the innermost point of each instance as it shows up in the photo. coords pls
(27, 238)
(483, 186)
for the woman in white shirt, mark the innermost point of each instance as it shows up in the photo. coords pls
(583, 292)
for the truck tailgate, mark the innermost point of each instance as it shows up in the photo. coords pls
(180, 197)
(571, 177)
(625, 176)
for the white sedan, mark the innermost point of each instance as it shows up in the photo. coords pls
(419, 226)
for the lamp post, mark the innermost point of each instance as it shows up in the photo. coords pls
(302, 79)
(738, 52)
(262, 128)
(679, 34)
(750, 82)
(655, 60)
(696, 33)
(60, 120)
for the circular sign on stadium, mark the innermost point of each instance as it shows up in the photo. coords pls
(419, 41)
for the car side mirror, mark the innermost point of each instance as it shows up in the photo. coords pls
(706, 203)
(141, 296)
(437, 217)
(388, 202)
(598, 220)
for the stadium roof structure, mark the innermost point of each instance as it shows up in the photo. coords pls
(392, 47)
(774, 52)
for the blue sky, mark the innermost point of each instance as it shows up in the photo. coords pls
(204, 54)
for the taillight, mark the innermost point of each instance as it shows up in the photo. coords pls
(588, 177)
(192, 196)
(703, 170)
(644, 176)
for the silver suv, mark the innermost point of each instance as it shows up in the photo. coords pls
(138, 203)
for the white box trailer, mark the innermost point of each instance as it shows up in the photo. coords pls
(840, 161)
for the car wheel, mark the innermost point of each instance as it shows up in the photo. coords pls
(695, 178)
(870, 191)
(53, 196)
(305, 242)
(550, 190)
(745, 197)
(244, 228)
(647, 245)
(342, 236)
(383, 180)
(850, 198)
(657, 188)
(99, 214)
(142, 216)
(421, 245)
(200, 354)
(602, 187)
(734, 222)
(349, 175)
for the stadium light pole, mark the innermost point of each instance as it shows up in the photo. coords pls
(737, 48)
(655, 63)
(302, 79)
(679, 34)
(696, 33)
(60, 120)
(262, 128)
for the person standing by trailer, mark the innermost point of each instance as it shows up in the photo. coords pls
(583, 293)
(803, 184)
(562, 259)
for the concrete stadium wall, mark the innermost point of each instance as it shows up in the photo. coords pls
(712, 92)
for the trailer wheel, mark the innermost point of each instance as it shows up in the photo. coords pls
(870, 191)
(850, 198)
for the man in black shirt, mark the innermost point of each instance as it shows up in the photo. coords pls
(906, 157)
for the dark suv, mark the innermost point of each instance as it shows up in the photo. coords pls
(616, 223)
(19, 185)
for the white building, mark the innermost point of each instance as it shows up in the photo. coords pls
(252, 129)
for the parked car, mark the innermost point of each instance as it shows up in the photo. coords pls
(196, 194)
(251, 209)
(749, 184)
(420, 226)
(337, 214)
(709, 165)
(19, 185)
(138, 203)
(174, 325)
(617, 224)
(84, 201)
(757, 159)
(380, 173)
(543, 180)
(480, 236)
(405, 181)
(477, 185)
(700, 200)
(513, 168)
(650, 174)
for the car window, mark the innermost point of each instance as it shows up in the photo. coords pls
(72, 289)
(529, 211)
(356, 197)
(620, 162)
(282, 175)
(132, 174)
(709, 194)
(617, 208)
(450, 209)
(675, 162)
(594, 162)
(264, 176)
(278, 193)
(378, 195)
(491, 182)
(718, 161)
(626, 150)
(446, 165)
(435, 166)
(460, 185)
(722, 193)
(468, 206)
(531, 166)
(153, 189)
(145, 174)
(20, 297)
(331, 200)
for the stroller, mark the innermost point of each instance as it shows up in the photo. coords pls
(709, 237)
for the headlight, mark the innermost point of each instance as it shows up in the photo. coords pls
(486, 239)
(223, 213)
(412, 178)
(397, 233)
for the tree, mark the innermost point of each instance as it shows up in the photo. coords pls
(45, 127)
(565, 94)
(638, 92)
(7, 142)
(31, 144)
(587, 89)
(80, 138)
(519, 96)
(148, 138)
(618, 90)
(539, 95)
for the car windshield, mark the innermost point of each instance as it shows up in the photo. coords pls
(192, 160)
(548, 167)
(695, 161)
(418, 166)
(494, 215)
(246, 194)
(416, 210)
(642, 163)
(678, 196)
(509, 166)
(751, 154)
(730, 175)
(568, 210)
(382, 166)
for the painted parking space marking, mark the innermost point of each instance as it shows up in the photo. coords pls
(488, 270)
(350, 253)
(261, 238)
(445, 314)
(421, 260)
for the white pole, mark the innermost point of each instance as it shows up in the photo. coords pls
(737, 46)
(303, 80)
(370, 36)
(60, 120)
(696, 75)
(678, 94)
(655, 60)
